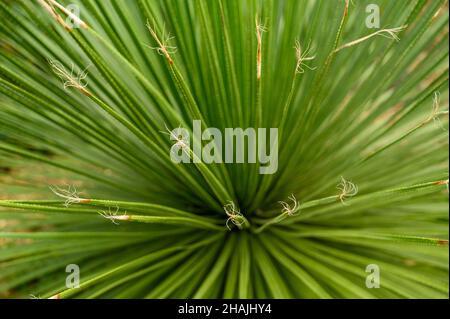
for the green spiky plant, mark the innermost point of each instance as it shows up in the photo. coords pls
(86, 176)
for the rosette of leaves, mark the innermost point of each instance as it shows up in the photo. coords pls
(89, 90)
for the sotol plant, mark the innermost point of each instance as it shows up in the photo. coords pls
(88, 88)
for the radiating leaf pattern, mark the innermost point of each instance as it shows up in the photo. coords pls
(85, 171)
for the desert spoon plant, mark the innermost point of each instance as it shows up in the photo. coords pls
(91, 90)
